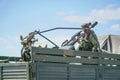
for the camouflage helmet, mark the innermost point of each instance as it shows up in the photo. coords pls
(85, 25)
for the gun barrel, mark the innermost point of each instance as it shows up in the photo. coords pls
(94, 24)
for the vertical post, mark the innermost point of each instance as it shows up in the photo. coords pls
(100, 67)
(100, 73)
(32, 48)
(33, 71)
(68, 72)
(28, 71)
(0, 72)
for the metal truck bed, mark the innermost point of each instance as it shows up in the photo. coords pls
(58, 64)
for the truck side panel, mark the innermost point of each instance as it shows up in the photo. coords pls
(57, 71)
(111, 73)
(51, 71)
(14, 71)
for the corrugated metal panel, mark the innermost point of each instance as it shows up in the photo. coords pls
(14, 72)
(79, 72)
(111, 73)
(57, 71)
(51, 71)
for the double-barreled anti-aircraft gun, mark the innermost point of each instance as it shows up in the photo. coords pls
(69, 44)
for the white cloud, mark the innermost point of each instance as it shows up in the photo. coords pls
(4, 43)
(78, 19)
(8, 42)
(10, 46)
(116, 27)
(111, 12)
(106, 14)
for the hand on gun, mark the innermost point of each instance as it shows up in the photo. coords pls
(78, 39)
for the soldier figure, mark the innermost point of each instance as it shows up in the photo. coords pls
(89, 41)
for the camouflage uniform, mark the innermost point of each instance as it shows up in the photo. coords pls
(89, 41)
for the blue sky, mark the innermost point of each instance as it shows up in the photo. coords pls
(19, 17)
